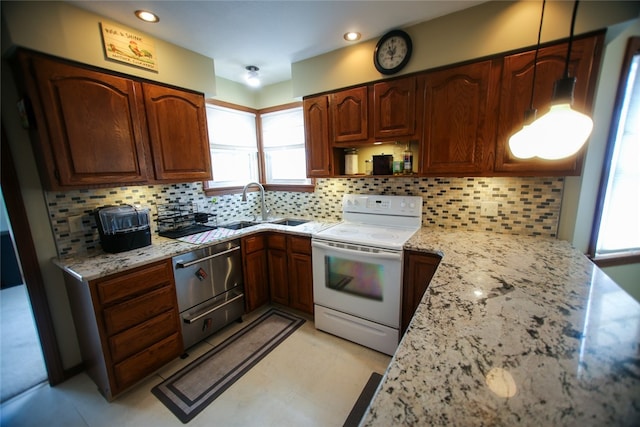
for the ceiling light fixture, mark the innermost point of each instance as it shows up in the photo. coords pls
(562, 131)
(147, 16)
(252, 77)
(352, 36)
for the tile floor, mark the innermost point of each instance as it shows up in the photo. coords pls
(311, 379)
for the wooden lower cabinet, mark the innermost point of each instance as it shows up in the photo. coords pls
(278, 268)
(300, 273)
(290, 271)
(128, 324)
(419, 268)
(256, 273)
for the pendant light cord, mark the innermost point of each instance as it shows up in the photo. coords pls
(573, 24)
(535, 60)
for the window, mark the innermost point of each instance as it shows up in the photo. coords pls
(617, 229)
(250, 145)
(233, 145)
(283, 145)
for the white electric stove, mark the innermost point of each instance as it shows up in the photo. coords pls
(357, 269)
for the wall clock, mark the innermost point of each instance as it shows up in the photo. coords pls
(393, 51)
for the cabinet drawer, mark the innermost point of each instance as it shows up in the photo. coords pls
(253, 243)
(277, 241)
(142, 364)
(300, 245)
(142, 336)
(134, 282)
(135, 311)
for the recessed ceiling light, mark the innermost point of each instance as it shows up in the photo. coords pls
(147, 16)
(252, 77)
(352, 36)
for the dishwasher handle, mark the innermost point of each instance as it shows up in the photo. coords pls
(214, 309)
(181, 264)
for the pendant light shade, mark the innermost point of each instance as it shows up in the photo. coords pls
(523, 143)
(562, 131)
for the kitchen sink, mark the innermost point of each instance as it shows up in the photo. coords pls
(291, 222)
(238, 225)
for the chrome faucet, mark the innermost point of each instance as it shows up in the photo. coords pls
(263, 206)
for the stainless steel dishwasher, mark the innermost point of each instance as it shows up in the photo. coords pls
(210, 289)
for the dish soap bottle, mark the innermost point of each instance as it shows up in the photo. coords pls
(407, 157)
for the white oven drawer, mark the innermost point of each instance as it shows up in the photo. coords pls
(360, 331)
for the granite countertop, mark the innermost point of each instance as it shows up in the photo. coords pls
(513, 330)
(98, 264)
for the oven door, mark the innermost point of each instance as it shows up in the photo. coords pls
(358, 280)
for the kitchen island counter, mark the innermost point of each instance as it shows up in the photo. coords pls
(513, 330)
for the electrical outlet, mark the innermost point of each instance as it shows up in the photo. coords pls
(489, 209)
(75, 224)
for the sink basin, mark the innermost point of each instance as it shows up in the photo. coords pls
(291, 222)
(238, 225)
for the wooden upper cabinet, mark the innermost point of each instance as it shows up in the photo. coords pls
(515, 96)
(316, 129)
(95, 128)
(349, 115)
(91, 125)
(459, 124)
(178, 134)
(394, 108)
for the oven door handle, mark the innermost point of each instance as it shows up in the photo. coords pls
(181, 264)
(397, 256)
(206, 313)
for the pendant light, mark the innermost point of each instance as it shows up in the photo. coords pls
(522, 143)
(562, 131)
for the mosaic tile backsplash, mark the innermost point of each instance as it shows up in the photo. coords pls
(525, 206)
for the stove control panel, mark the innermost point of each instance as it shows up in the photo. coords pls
(383, 205)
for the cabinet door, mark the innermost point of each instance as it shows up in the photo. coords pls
(91, 125)
(517, 77)
(459, 129)
(419, 268)
(316, 129)
(278, 276)
(300, 283)
(300, 273)
(349, 111)
(394, 108)
(256, 274)
(178, 133)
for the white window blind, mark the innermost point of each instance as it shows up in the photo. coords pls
(283, 144)
(619, 230)
(233, 145)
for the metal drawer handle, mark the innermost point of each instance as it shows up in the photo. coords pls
(216, 308)
(181, 264)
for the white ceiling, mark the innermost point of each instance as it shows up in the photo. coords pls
(269, 34)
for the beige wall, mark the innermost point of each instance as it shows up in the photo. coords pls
(72, 33)
(487, 29)
(268, 96)
(627, 276)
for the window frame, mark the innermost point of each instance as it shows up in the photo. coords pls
(620, 258)
(218, 191)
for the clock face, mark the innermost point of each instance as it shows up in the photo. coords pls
(392, 52)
